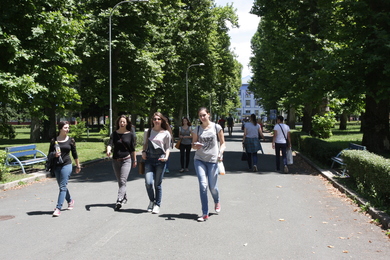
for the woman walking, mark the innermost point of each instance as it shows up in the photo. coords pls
(280, 142)
(205, 142)
(251, 141)
(123, 159)
(63, 168)
(185, 135)
(156, 150)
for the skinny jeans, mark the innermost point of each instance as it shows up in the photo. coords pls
(63, 173)
(122, 171)
(208, 178)
(154, 173)
(185, 151)
(280, 147)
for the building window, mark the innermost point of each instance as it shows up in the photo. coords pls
(247, 112)
(247, 94)
(247, 103)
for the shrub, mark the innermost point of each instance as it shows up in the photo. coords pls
(4, 170)
(322, 125)
(76, 131)
(371, 172)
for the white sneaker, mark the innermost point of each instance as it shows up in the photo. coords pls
(156, 209)
(285, 169)
(150, 207)
(57, 212)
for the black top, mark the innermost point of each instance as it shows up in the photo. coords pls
(66, 147)
(123, 144)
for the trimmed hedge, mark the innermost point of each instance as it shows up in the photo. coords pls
(370, 171)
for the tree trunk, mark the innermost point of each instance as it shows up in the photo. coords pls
(291, 118)
(307, 118)
(49, 126)
(35, 130)
(376, 125)
(343, 121)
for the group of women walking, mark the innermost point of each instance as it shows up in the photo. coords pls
(207, 140)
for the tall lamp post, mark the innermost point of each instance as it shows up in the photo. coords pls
(110, 63)
(192, 65)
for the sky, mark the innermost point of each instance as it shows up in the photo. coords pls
(241, 37)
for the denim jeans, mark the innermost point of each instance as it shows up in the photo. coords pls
(62, 175)
(278, 148)
(185, 150)
(252, 159)
(154, 173)
(208, 177)
(122, 170)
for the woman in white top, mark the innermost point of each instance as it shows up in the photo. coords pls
(280, 142)
(251, 141)
(157, 144)
(205, 142)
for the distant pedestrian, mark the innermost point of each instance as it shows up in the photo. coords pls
(222, 122)
(251, 141)
(230, 124)
(156, 150)
(205, 142)
(281, 140)
(185, 135)
(63, 169)
(123, 144)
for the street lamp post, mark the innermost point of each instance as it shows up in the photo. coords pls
(110, 63)
(192, 65)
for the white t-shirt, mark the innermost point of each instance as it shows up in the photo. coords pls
(208, 137)
(279, 134)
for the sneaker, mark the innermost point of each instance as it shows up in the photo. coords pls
(255, 168)
(150, 207)
(156, 209)
(118, 206)
(187, 170)
(203, 218)
(285, 169)
(181, 170)
(71, 205)
(218, 207)
(56, 213)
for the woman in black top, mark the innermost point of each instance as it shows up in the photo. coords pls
(122, 140)
(63, 168)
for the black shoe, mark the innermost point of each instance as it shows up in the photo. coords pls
(118, 206)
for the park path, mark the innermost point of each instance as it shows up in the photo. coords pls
(265, 215)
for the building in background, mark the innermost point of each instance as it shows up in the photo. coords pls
(249, 105)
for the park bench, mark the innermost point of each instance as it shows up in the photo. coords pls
(339, 160)
(24, 155)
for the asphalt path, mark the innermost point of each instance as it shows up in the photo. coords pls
(265, 215)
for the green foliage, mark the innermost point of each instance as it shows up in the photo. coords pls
(78, 130)
(322, 125)
(105, 131)
(7, 131)
(4, 170)
(371, 172)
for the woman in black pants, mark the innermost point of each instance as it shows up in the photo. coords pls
(185, 135)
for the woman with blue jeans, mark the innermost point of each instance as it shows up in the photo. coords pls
(63, 169)
(157, 144)
(123, 159)
(205, 142)
(251, 141)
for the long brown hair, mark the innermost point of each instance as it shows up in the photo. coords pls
(164, 121)
(128, 126)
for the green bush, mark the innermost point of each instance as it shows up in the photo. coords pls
(371, 172)
(4, 170)
(322, 125)
(76, 131)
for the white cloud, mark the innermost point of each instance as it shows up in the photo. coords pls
(241, 37)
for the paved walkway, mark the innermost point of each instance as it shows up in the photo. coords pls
(265, 215)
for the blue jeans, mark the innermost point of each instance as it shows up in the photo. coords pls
(278, 148)
(154, 173)
(122, 170)
(208, 177)
(62, 175)
(252, 159)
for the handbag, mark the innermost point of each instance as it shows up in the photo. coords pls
(244, 156)
(141, 167)
(289, 156)
(178, 144)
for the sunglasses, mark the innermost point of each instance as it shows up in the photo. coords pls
(157, 119)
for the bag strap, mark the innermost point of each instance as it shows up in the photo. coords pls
(283, 133)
